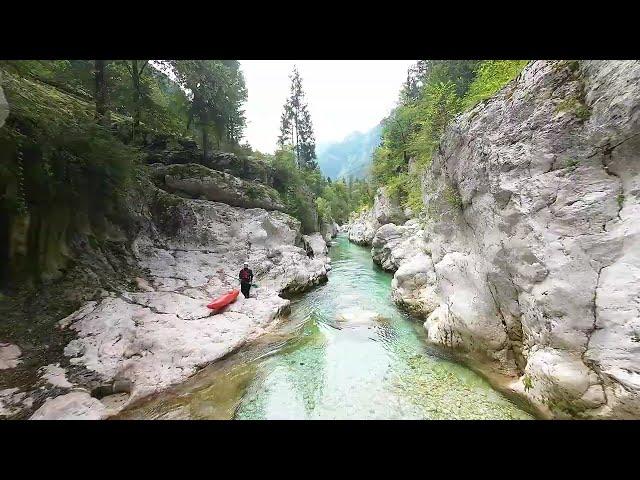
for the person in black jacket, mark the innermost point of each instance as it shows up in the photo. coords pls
(246, 278)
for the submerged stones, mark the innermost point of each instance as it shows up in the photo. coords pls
(358, 316)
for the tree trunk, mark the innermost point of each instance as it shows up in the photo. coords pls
(5, 258)
(135, 75)
(103, 115)
(297, 141)
(205, 140)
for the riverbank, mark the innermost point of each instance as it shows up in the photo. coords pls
(125, 344)
(345, 351)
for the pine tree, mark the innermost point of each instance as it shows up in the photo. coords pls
(296, 129)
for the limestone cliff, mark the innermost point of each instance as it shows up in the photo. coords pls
(530, 268)
(362, 226)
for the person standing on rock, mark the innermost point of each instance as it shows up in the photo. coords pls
(246, 278)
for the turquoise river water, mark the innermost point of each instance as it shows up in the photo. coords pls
(345, 352)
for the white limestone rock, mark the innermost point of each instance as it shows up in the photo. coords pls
(55, 375)
(76, 405)
(394, 244)
(163, 334)
(387, 210)
(362, 227)
(9, 355)
(534, 236)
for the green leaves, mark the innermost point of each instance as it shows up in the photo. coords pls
(296, 128)
(217, 91)
(434, 93)
(491, 76)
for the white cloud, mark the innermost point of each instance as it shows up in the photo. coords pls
(343, 95)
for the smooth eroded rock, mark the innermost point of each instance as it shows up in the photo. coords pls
(9, 355)
(77, 405)
(533, 231)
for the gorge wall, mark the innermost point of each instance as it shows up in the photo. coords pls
(526, 259)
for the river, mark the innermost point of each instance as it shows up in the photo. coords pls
(345, 352)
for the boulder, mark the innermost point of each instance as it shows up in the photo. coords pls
(329, 230)
(170, 150)
(394, 244)
(246, 167)
(9, 355)
(77, 405)
(387, 210)
(196, 181)
(362, 227)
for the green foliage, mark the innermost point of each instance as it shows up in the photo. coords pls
(435, 92)
(290, 182)
(414, 196)
(324, 208)
(296, 128)
(575, 106)
(453, 198)
(307, 193)
(491, 76)
(61, 173)
(459, 72)
(412, 132)
(53, 145)
(217, 92)
(342, 197)
(252, 192)
(571, 163)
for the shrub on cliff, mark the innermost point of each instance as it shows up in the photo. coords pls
(435, 92)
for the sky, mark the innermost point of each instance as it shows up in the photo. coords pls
(343, 96)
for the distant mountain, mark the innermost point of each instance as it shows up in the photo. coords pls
(351, 157)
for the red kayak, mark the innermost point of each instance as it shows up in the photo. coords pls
(224, 300)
